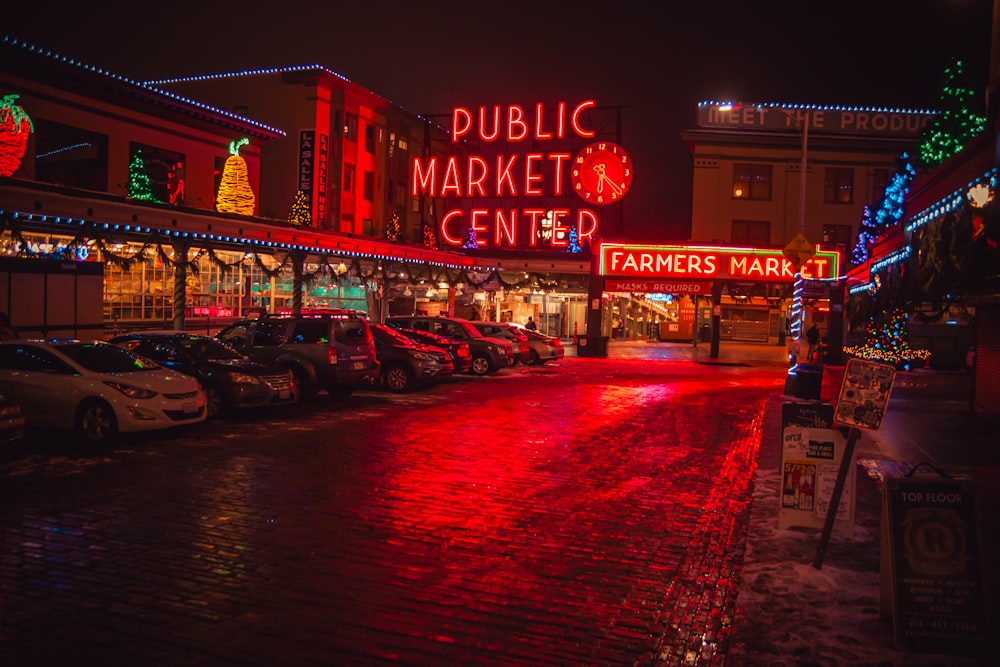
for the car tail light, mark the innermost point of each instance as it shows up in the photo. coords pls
(464, 351)
(556, 343)
(331, 355)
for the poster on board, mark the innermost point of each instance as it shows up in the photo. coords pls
(811, 453)
(864, 393)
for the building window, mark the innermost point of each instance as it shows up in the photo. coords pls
(70, 156)
(392, 144)
(350, 127)
(838, 186)
(751, 232)
(348, 178)
(370, 138)
(880, 181)
(165, 170)
(752, 181)
(403, 145)
(369, 186)
(368, 227)
(842, 235)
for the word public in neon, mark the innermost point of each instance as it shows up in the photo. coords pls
(527, 175)
(710, 263)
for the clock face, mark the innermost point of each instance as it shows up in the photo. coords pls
(602, 173)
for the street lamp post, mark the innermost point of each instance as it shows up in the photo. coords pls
(798, 286)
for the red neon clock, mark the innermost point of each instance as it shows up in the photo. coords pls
(602, 173)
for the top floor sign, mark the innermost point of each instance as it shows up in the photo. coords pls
(711, 263)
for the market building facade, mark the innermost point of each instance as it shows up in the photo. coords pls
(164, 192)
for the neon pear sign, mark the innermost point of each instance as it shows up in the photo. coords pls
(600, 174)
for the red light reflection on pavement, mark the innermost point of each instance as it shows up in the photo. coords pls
(588, 513)
(579, 524)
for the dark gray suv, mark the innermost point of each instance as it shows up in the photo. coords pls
(332, 350)
(488, 354)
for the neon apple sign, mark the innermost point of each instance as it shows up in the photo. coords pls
(527, 175)
(710, 263)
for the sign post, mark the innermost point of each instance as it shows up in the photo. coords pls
(863, 397)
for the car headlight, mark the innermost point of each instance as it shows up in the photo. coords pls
(424, 356)
(130, 391)
(243, 378)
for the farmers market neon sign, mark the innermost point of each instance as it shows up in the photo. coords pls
(526, 175)
(710, 262)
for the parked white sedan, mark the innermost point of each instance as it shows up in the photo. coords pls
(95, 389)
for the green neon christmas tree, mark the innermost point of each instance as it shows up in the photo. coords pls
(959, 122)
(139, 185)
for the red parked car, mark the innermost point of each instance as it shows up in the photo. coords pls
(522, 353)
(458, 349)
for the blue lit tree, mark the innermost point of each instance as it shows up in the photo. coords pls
(470, 240)
(574, 242)
(890, 210)
(867, 233)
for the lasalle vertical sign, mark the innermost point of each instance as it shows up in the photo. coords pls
(600, 174)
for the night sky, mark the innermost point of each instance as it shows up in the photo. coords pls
(656, 60)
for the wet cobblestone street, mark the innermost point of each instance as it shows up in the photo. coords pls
(590, 512)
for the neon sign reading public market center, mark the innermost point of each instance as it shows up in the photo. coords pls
(710, 263)
(600, 174)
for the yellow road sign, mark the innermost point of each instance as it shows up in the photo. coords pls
(799, 251)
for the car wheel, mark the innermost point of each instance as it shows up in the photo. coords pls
(535, 359)
(306, 387)
(213, 402)
(481, 365)
(96, 421)
(396, 378)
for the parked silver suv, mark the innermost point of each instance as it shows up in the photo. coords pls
(331, 350)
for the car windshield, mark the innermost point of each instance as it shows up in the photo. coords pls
(106, 358)
(468, 327)
(386, 334)
(204, 348)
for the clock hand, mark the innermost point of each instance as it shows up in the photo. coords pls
(602, 178)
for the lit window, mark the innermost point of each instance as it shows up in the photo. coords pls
(752, 181)
(838, 186)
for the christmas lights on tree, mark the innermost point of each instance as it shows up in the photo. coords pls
(867, 233)
(430, 240)
(300, 214)
(392, 230)
(887, 339)
(139, 185)
(235, 194)
(15, 126)
(471, 241)
(957, 124)
(574, 243)
(890, 210)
